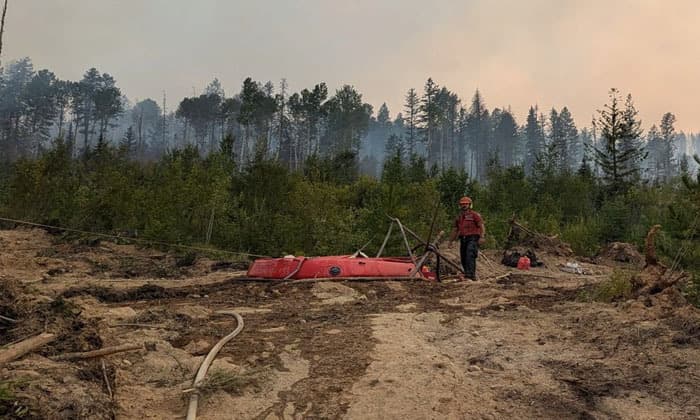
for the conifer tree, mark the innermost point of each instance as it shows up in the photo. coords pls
(478, 134)
(569, 140)
(619, 156)
(411, 108)
(505, 137)
(429, 117)
(534, 139)
(667, 147)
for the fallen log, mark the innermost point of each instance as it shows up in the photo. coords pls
(18, 350)
(105, 351)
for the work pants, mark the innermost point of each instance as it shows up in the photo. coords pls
(468, 252)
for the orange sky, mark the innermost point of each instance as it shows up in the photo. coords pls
(517, 52)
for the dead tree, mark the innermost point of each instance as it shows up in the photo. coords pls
(2, 29)
(649, 248)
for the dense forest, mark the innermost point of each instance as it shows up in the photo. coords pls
(268, 171)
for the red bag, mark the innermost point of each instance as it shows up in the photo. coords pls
(524, 263)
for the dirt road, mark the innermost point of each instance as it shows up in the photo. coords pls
(523, 346)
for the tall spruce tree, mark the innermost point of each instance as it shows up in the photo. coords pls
(429, 117)
(445, 144)
(619, 156)
(348, 119)
(667, 147)
(570, 140)
(585, 142)
(654, 146)
(505, 137)
(411, 119)
(556, 143)
(534, 139)
(478, 134)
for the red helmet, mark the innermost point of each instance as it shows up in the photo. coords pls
(465, 200)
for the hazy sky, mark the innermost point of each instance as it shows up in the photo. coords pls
(516, 52)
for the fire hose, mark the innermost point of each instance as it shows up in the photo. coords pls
(204, 367)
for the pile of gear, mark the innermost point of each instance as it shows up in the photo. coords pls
(520, 258)
(520, 235)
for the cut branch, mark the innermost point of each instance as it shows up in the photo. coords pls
(18, 350)
(98, 353)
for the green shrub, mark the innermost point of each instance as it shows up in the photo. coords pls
(617, 287)
(583, 235)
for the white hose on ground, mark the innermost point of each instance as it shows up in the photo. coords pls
(204, 367)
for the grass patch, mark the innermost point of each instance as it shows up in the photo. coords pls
(6, 391)
(10, 407)
(691, 291)
(617, 287)
(186, 260)
(229, 382)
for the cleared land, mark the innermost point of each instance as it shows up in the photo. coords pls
(524, 346)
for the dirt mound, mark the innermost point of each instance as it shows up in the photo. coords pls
(520, 235)
(622, 252)
(58, 316)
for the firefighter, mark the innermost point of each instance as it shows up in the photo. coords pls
(469, 227)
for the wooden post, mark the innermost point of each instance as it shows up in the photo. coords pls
(405, 240)
(386, 239)
(415, 236)
(449, 262)
(437, 267)
(431, 247)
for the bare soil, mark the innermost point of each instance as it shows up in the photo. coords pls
(522, 346)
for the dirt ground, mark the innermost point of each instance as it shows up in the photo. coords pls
(522, 346)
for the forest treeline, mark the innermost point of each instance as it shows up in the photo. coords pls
(271, 173)
(268, 121)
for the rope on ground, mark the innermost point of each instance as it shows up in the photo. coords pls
(204, 367)
(144, 241)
